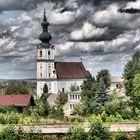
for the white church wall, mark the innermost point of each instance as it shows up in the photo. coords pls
(66, 84)
(54, 86)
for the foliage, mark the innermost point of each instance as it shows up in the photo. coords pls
(17, 87)
(45, 88)
(101, 94)
(131, 69)
(5, 109)
(98, 130)
(105, 76)
(42, 107)
(9, 133)
(61, 99)
(136, 91)
(56, 113)
(76, 133)
(78, 109)
(137, 134)
(120, 135)
(88, 88)
(74, 87)
(88, 95)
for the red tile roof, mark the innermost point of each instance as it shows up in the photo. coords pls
(70, 70)
(15, 100)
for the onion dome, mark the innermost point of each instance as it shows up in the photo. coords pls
(45, 37)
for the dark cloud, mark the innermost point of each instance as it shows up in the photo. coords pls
(130, 11)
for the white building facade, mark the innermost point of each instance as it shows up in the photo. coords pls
(59, 76)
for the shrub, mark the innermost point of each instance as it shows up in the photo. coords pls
(9, 133)
(2, 118)
(76, 133)
(137, 134)
(98, 130)
(120, 135)
(12, 118)
(112, 118)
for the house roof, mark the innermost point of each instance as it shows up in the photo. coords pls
(115, 79)
(70, 70)
(15, 100)
(51, 98)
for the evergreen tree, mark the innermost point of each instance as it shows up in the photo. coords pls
(45, 88)
(105, 76)
(130, 70)
(135, 98)
(101, 94)
(88, 95)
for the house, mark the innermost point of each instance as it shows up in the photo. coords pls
(51, 98)
(19, 101)
(59, 76)
(74, 97)
(116, 82)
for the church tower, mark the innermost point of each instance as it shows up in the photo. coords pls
(45, 59)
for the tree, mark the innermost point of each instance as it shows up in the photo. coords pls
(101, 94)
(45, 88)
(135, 97)
(105, 76)
(88, 95)
(78, 109)
(131, 69)
(61, 99)
(74, 87)
(42, 108)
(88, 88)
(98, 130)
(17, 87)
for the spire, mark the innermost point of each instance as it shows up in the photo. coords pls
(45, 37)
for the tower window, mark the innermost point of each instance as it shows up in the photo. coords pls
(40, 74)
(40, 53)
(49, 75)
(48, 52)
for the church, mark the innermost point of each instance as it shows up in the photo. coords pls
(59, 76)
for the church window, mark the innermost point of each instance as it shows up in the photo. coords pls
(40, 53)
(49, 54)
(40, 67)
(49, 70)
(40, 74)
(63, 90)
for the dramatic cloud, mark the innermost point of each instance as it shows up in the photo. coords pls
(87, 32)
(94, 31)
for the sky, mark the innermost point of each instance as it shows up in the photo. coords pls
(102, 33)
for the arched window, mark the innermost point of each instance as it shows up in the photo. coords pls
(40, 53)
(49, 54)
